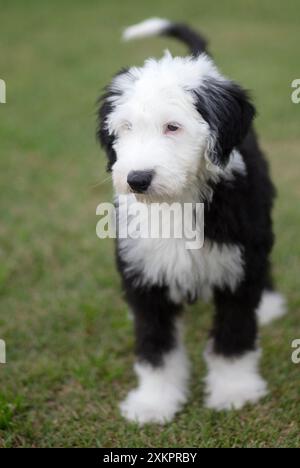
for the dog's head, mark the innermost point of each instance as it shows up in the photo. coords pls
(161, 123)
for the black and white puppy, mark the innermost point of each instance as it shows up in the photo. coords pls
(176, 129)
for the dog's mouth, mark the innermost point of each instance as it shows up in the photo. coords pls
(147, 196)
(152, 196)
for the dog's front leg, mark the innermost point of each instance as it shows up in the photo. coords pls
(162, 367)
(232, 355)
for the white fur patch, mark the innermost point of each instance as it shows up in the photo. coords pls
(149, 27)
(161, 392)
(236, 164)
(166, 73)
(272, 307)
(187, 273)
(231, 383)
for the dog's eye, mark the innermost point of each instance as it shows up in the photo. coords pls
(171, 128)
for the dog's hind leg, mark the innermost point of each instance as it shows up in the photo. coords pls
(232, 357)
(162, 367)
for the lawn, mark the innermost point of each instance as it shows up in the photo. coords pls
(69, 341)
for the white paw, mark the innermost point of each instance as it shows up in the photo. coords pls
(235, 396)
(272, 306)
(162, 391)
(156, 409)
(231, 383)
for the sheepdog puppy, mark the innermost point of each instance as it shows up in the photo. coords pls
(175, 129)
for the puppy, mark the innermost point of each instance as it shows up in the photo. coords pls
(177, 130)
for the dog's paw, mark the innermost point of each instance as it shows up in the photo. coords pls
(231, 383)
(162, 391)
(236, 395)
(143, 409)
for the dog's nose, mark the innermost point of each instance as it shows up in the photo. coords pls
(139, 181)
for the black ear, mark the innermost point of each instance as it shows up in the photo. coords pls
(105, 108)
(228, 111)
(106, 140)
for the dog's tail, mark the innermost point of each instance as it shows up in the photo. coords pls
(162, 27)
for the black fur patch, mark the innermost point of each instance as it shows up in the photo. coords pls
(154, 317)
(227, 109)
(105, 107)
(195, 41)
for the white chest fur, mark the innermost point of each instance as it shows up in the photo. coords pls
(187, 273)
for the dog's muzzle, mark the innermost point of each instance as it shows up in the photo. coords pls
(139, 181)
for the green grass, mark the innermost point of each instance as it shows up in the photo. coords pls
(69, 343)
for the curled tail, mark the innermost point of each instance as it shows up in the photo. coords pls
(162, 27)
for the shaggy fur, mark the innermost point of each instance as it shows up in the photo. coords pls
(176, 129)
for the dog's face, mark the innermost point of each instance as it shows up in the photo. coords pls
(161, 123)
(159, 136)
